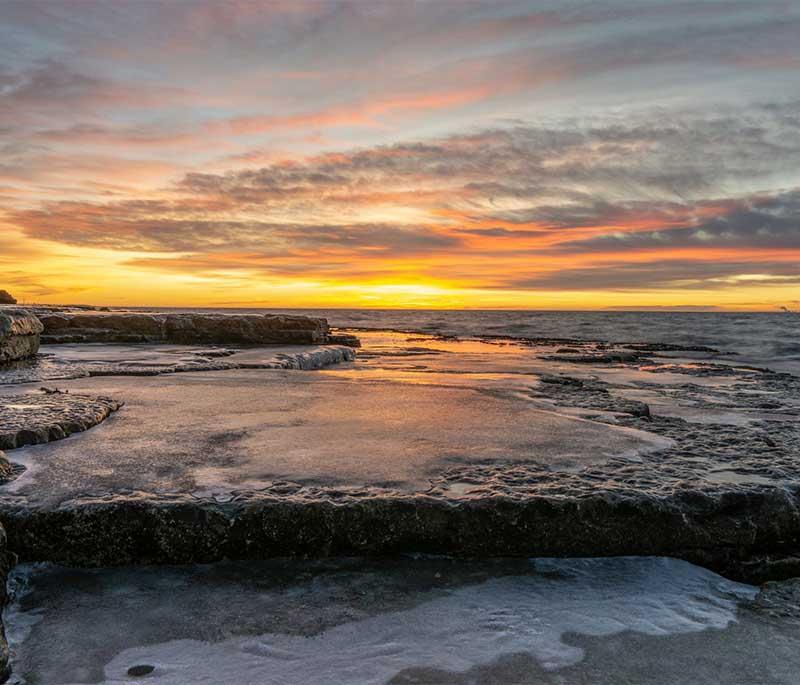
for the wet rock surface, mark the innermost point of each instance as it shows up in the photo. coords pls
(422, 620)
(33, 419)
(242, 430)
(430, 444)
(62, 362)
(723, 493)
(183, 328)
(19, 334)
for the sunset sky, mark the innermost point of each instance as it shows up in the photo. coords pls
(434, 154)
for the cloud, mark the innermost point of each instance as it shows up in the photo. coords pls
(163, 226)
(758, 222)
(654, 274)
(50, 90)
(601, 200)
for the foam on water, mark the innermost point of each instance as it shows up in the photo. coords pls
(468, 626)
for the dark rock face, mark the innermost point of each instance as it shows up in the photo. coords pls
(7, 561)
(188, 329)
(19, 334)
(6, 298)
(344, 339)
(747, 535)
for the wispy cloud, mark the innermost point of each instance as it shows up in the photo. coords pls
(620, 146)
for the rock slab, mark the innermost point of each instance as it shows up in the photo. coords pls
(20, 333)
(183, 328)
(41, 418)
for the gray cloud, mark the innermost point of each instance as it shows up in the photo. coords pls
(647, 181)
(665, 273)
(772, 222)
(155, 226)
(578, 174)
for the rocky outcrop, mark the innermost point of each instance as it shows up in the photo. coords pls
(6, 470)
(184, 328)
(40, 418)
(346, 339)
(7, 298)
(19, 334)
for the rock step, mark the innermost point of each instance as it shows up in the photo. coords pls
(747, 536)
(20, 333)
(184, 328)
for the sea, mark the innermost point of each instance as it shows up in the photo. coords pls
(767, 339)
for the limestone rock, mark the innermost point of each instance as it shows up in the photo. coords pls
(19, 334)
(184, 328)
(7, 298)
(36, 419)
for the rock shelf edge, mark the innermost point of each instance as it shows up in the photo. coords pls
(749, 535)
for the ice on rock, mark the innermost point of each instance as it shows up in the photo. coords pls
(346, 625)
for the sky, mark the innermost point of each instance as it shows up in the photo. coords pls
(539, 154)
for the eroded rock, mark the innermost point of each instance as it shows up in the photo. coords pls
(7, 298)
(184, 328)
(40, 418)
(20, 334)
(6, 470)
(587, 394)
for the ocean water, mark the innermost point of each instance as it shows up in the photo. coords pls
(763, 339)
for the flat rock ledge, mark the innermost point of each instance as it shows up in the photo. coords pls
(20, 333)
(748, 534)
(43, 370)
(51, 415)
(183, 328)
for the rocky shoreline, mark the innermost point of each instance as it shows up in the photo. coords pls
(23, 330)
(32, 419)
(745, 526)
